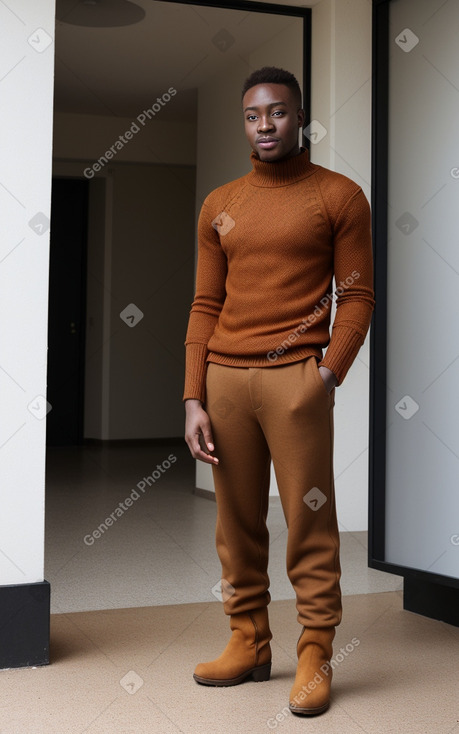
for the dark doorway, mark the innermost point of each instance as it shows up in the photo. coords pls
(67, 311)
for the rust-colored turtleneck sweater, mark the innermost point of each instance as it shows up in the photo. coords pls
(269, 244)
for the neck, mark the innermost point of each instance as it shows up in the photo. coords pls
(281, 172)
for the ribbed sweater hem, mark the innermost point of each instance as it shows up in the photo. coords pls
(194, 389)
(263, 361)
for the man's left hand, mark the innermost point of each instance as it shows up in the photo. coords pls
(329, 378)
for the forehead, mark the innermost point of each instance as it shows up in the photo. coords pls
(262, 95)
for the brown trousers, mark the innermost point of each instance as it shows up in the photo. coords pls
(283, 413)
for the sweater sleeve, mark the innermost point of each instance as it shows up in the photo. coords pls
(353, 269)
(208, 302)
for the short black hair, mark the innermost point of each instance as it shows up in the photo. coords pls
(273, 75)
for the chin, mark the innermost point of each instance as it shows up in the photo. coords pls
(269, 155)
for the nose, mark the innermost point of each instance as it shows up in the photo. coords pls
(265, 123)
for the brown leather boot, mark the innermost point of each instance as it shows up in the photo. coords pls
(310, 694)
(247, 654)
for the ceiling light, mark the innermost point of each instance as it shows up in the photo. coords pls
(99, 13)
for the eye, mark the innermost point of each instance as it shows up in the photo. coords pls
(278, 112)
(251, 117)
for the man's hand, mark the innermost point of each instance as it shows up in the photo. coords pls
(328, 377)
(198, 433)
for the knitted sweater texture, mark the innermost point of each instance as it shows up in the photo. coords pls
(269, 244)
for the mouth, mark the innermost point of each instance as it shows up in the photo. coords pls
(267, 142)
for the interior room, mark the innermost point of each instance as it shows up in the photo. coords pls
(144, 119)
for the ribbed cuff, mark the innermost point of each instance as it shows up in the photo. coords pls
(342, 350)
(195, 372)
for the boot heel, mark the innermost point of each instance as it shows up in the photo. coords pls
(262, 673)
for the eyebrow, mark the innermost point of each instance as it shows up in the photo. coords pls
(273, 104)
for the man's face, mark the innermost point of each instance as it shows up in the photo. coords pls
(272, 120)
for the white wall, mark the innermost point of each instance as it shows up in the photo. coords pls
(341, 102)
(87, 137)
(27, 66)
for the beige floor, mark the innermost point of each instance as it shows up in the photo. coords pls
(125, 637)
(129, 671)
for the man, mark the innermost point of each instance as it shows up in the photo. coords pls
(258, 386)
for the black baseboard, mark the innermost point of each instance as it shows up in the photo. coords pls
(431, 599)
(24, 625)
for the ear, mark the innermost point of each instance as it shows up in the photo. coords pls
(301, 117)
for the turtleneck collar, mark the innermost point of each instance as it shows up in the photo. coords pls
(280, 173)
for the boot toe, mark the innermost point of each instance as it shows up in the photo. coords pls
(308, 710)
(200, 671)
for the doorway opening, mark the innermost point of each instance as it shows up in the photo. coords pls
(67, 311)
(148, 157)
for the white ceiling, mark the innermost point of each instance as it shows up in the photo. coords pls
(120, 71)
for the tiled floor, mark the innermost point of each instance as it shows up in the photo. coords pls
(160, 549)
